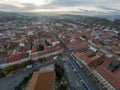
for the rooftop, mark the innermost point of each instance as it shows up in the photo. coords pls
(111, 77)
(16, 57)
(42, 81)
(92, 60)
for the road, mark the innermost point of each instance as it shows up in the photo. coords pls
(74, 80)
(85, 76)
(62, 43)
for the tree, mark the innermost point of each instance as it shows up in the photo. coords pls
(31, 45)
(40, 48)
(41, 60)
(18, 88)
(6, 70)
(118, 35)
(60, 78)
(39, 34)
(59, 72)
(63, 87)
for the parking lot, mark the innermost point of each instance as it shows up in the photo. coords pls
(74, 79)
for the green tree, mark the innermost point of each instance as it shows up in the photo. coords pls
(40, 48)
(118, 35)
(39, 34)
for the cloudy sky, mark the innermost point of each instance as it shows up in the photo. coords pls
(90, 7)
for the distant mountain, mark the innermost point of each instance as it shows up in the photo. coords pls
(12, 15)
(111, 17)
(39, 14)
(108, 17)
(8, 14)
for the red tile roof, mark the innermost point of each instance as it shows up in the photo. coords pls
(83, 57)
(16, 57)
(57, 47)
(42, 81)
(76, 44)
(111, 77)
(105, 36)
(13, 58)
(92, 61)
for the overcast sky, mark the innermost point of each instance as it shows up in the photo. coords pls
(90, 7)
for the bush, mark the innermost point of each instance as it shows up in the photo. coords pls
(6, 70)
(23, 84)
(59, 72)
(40, 48)
(60, 78)
(41, 60)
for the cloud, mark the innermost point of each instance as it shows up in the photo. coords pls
(78, 6)
(9, 8)
(107, 8)
(20, 2)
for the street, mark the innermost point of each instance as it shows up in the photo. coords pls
(84, 75)
(74, 80)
